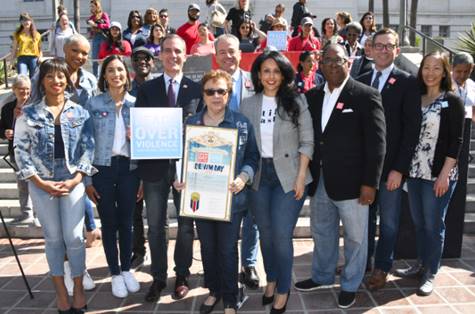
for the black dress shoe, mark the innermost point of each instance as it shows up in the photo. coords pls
(205, 309)
(81, 310)
(154, 291)
(250, 278)
(181, 288)
(281, 310)
(68, 311)
(267, 300)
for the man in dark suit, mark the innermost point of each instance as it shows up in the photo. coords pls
(171, 89)
(401, 102)
(347, 162)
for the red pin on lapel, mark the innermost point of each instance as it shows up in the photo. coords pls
(340, 105)
(247, 84)
(392, 80)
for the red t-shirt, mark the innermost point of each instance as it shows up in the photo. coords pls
(104, 50)
(189, 33)
(310, 43)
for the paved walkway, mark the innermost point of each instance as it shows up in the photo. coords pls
(454, 293)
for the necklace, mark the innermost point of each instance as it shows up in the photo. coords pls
(210, 121)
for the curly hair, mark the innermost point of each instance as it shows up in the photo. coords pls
(287, 92)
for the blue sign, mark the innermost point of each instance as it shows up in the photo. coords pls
(277, 40)
(156, 133)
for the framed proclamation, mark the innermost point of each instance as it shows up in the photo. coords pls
(208, 170)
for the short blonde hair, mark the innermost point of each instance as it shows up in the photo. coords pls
(21, 79)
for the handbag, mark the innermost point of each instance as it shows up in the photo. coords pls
(217, 18)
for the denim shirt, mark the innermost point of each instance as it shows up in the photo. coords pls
(34, 140)
(87, 84)
(247, 153)
(103, 112)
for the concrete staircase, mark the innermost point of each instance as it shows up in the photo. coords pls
(10, 207)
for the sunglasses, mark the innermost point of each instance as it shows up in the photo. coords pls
(220, 91)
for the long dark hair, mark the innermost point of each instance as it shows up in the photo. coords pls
(150, 37)
(102, 84)
(303, 56)
(111, 42)
(129, 20)
(251, 29)
(446, 83)
(26, 16)
(287, 92)
(373, 23)
(325, 21)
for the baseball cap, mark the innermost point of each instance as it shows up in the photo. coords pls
(142, 49)
(116, 24)
(279, 21)
(306, 20)
(193, 6)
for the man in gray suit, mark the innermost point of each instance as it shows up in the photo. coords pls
(228, 57)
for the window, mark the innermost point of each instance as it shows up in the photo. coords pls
(444, 30)
(427, 29)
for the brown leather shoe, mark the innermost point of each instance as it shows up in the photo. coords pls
(181, 288)
(377, 280)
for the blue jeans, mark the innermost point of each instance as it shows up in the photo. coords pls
(96, 45)
(89, 215)
(62, 219)
(156, 200)
(276, 214)
(389, 204)
(249, 241)
(27, 65)
(428, 214)
(218, 241)
(117, 187)
(325, 223)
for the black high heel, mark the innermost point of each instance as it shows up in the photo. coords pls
(282, 310)
(68, 311)
(267, 300)
(79, 311)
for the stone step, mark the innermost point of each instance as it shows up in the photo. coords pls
(7, 175)
(8, 191)
(470, 185)
(302, 229)
(470, 203)
(3, 149)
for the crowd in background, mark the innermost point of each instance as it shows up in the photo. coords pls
(348, 129)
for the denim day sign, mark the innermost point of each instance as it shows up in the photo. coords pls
(156, 133)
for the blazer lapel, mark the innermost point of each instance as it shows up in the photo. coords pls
(390, 81)
(344, 97)
(162, 92)
(257, 99)
(182, 92)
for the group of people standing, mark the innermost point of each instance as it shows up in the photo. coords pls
(350, 144)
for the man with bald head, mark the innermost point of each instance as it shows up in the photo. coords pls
(349, 126)
(76, 50)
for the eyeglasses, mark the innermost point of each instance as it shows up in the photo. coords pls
(163, 16)
(381, 47)
(369, 17)
(136, 17)
(337, 61)
(211, 92)
(145, 58)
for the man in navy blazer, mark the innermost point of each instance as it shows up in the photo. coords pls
(350, 132)
(401, 102)
(171, 89)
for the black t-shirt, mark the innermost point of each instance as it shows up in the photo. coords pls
(236, 16)
(248, 44)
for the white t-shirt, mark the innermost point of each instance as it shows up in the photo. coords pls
(269, 110)
(120, 145)
(467, 94)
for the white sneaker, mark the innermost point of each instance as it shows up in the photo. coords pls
(68, 280)
(130, 282)
(119, 290)
(87, 281)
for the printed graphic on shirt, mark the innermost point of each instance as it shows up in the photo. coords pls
(268, 116)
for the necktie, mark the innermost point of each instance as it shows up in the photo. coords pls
(233, 102)
(376, 80)
(171, 94)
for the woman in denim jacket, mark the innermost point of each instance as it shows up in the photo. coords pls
(114, 188)
(219, 239)
(54, 148)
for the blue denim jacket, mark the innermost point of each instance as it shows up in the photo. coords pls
(247, 154)
(87, 84)
(102, 111)
(34, 140)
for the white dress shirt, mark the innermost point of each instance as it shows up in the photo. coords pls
(176, 83)
(120, 146)
(384, 76)
(467, 94)
(329, 101)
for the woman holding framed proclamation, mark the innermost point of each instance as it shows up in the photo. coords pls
(218, 239)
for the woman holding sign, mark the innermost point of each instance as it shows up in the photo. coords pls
(284, 133)
(218, 239)
(114, 188)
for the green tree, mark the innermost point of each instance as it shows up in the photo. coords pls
(467, 41)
